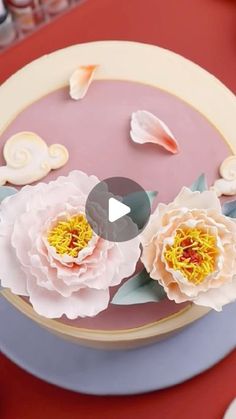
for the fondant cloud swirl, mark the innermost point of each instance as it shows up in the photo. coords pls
(28, 159)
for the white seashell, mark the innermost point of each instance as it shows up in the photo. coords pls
(231, 411)
(81, 80)
(147, 128)
(29, 159)
(226, 185)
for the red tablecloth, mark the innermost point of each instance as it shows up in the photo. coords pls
(205, 32)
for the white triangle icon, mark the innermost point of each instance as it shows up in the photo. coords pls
(117, 210)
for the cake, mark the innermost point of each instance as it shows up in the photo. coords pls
(116, 110)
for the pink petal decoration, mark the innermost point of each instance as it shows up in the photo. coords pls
(81, 80)
(147, 128)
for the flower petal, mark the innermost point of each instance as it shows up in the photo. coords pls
(17, 204)
(81, 80)
(199, 200)
(147, 128)
(85, 302)
(131, 253)
(216, 298)
(11, 274)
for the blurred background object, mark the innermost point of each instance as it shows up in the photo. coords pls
(53, 7)
(18, 18)
(27, 14)
(7, 28)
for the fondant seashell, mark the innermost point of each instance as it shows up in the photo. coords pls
(29, 159)
(231, 411)
(147, 128)
(81, 80)
(226, 185)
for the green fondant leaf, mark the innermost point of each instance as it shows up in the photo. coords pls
(140, 209)
(229, 209)
(200, 184)
(139, 289)
(6, 191)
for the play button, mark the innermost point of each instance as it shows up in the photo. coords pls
(118, 209)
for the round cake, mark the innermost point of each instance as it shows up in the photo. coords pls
(195, 111)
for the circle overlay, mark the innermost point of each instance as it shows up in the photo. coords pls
(125, 193)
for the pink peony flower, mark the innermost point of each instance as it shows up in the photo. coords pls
(50, 254)
(189, 246)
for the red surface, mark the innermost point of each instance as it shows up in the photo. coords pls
(205, 32)
(204, 397)
(202, 30)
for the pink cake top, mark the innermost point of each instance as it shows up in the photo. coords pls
(96, 133)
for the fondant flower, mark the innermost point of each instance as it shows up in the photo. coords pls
(50, 253)
(189, 247)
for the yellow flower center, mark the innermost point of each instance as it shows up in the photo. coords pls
(70, 236)
(193, 253)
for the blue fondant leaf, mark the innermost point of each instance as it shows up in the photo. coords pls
(140, 210)
(200, 184)
(6, 191)
(139, 289)
(229, 209)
